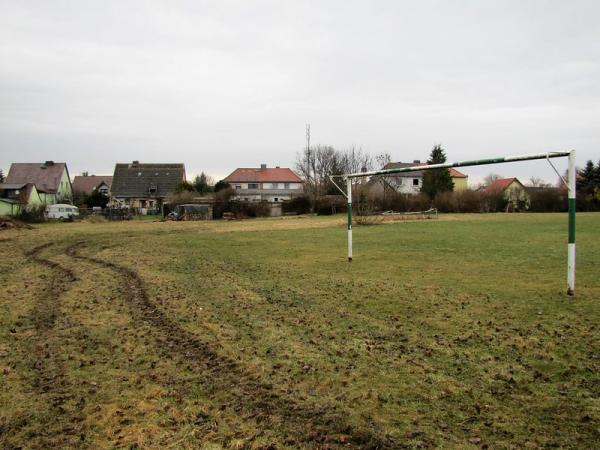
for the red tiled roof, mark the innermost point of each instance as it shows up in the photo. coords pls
(501, 184)
(46, 177)
(257, 175)
(88, 183)
(456, 174)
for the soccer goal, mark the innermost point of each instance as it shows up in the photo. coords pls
(570, 183)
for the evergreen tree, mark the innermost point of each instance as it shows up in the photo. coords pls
(588, 181)
(221, 185)
(437, 180)
(202, 183)
(184, 186)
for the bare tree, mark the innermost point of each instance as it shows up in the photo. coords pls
(538, 182)
(356, 160)
(490, 178)
(316, 168)
(383, 159)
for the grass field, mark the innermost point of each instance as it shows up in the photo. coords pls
(258, 334)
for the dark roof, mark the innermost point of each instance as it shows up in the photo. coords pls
(137, 180)
(12, 186)
(9, 191)
(263, 175)
(46, 176)
(87, 183)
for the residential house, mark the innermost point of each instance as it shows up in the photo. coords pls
(460, 180)
(513, 191)
(50, 179)
(267, 184)
(87, 184)
(412, 182)
(17, 197)
(144, 186)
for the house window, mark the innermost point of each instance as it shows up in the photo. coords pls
(286, 185)
(276, 199)
(237, 186)
(274, 185)
(415, 181)
(252, 185)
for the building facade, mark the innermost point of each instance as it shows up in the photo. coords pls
(412, 182)
(89, 183)
(144, 186)
(513, 191)
(273, 185)
(18, 197)
(50, 179)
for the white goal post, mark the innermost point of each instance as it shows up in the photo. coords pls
(570, 182)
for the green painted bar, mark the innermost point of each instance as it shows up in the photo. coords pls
(349, 216)
(474, 162)
(571, 221)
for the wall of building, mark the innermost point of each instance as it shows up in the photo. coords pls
(516, 194)
(65, 191)
(8, 209)
(405, 185)
(460, 184)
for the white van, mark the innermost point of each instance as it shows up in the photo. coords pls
(61, 211)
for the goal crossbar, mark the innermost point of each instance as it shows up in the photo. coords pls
(479, 162)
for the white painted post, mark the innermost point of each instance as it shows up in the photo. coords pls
(572, 207)
(349, 192)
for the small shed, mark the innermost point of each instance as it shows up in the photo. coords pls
(195, 211)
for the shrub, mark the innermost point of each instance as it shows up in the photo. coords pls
(330, 204)
(181, 198)
(33, 214)
(547, 200)
(250, 209)
(298, 205)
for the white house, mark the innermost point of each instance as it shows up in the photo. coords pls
(270, 184)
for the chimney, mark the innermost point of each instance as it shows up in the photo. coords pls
(263, 166)
(416, 161)
(49, 163)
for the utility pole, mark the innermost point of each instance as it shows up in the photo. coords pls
(308, 152)
(308, 164)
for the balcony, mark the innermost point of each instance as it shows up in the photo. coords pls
(268, 191)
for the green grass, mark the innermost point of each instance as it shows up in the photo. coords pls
(447, 333)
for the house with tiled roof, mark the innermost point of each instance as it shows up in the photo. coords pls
(144, 186)
(50, 179)
(263, 183)
(513, 191)
(17, 197)
(87, 184)
(411, 182)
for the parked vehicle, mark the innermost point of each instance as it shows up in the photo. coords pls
(61, 211)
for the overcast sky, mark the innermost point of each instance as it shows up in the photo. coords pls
(226, 84)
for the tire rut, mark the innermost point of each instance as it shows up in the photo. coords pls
(301, 423)
(50, 380)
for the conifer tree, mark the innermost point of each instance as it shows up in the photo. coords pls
(436, 180)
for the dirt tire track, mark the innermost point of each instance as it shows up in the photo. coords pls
(50, 380)
(300, 423)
